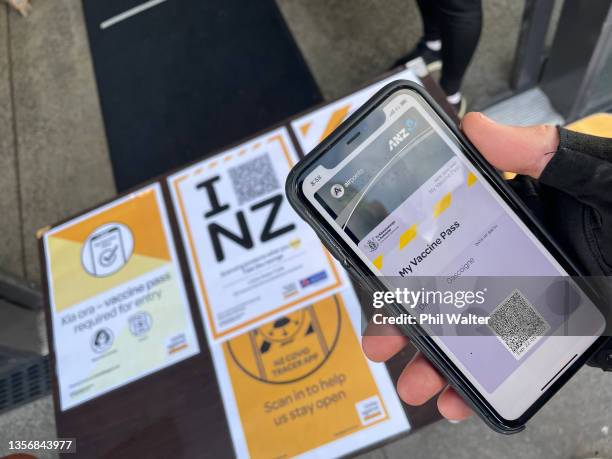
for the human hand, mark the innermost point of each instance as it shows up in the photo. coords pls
(524, 150)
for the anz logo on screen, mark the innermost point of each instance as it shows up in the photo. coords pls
(401, 135)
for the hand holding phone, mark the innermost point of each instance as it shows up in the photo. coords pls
(524, 150)
(397, 192)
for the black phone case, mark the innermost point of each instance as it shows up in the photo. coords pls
(418, 337)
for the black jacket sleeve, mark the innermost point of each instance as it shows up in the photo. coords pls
(573, 199)
(579, 180)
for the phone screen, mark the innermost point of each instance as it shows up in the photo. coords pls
(408, 202)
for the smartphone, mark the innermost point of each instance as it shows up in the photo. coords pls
(397, 191)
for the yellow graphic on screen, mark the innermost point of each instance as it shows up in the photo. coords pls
(378, 261)
(301, 381)
(407, 236)
(442, 205)
(471, 179)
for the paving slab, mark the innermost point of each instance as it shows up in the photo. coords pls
(378, 453)
(33, 421)
(11, 248)
(348, 43)
(576, 423)
(62, 153)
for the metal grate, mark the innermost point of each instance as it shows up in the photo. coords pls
(23, 377)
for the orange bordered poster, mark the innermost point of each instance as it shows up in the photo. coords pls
(300, 385)
(249, 253)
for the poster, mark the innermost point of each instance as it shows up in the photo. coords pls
(313, 127)
(118, 305)
(300, 385)
(250, 254)
(281, 316)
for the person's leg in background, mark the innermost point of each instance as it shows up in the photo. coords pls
(430, 44)
(460, 27)
(451, 30)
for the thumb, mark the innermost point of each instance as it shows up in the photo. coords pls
(524, 150)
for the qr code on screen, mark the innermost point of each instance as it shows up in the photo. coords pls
(517, 323)
(253, 179)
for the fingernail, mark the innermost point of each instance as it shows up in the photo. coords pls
(454, 421)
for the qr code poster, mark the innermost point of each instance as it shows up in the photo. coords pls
(250, 255)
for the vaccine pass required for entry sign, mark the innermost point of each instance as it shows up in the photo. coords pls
(118, 303)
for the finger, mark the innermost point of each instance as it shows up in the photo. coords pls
(381, 342)
(452, 406)
(524, 150)
(419, 381)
